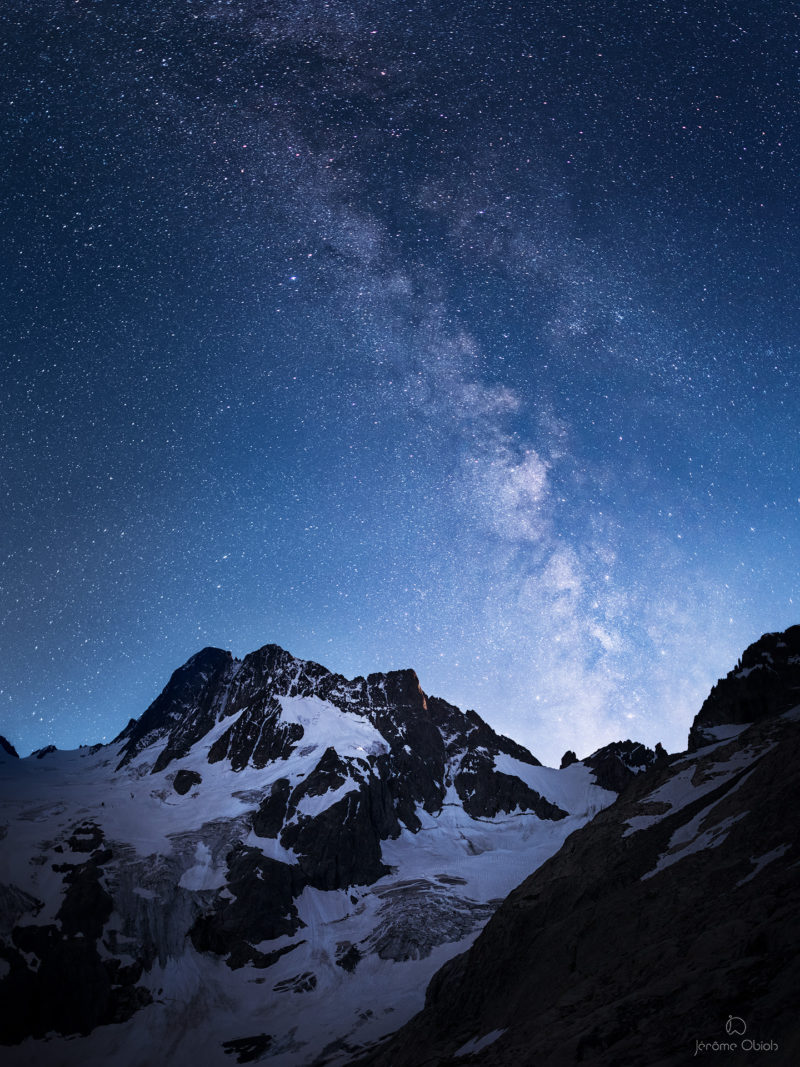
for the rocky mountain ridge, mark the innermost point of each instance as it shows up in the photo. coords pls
(763, 684)
(427, 743)
(269, 834)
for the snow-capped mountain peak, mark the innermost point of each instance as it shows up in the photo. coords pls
(264, 821)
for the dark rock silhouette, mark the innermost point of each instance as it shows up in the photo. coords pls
(672, 906)
(765, 682)
(617, 764)
(186, 780)
(8, 748)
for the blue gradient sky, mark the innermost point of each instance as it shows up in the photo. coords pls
(453, 336)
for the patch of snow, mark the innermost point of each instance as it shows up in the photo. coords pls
(203, 875)
(319, 908)
(271, 848)
(312, 806)
(762, 861)
(478, 1044)
(725, 730)
(326, 725)
(746, 671)
(145, 894)
(688, 839)
(489, 857)
(681, 790)
(572, 789)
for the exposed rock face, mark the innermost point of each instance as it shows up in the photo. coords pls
(568, 759)
(184, 712)
(8, 748)
(271, 814)
(485, 791)
(74, 985)
(186, 780)
(248, 1049)
(14, 905)
(258, 736)
(431, 744)
(258, 905)
(765, 682)
(341, 846)
(617, 764)
(693, 875)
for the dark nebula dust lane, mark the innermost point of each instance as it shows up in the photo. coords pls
(453, 336)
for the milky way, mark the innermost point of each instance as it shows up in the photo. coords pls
(459, 336)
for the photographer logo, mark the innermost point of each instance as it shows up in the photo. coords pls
(735, 1027)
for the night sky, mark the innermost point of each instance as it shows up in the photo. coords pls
(453, 335)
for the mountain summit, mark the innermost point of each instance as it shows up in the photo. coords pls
(269, 705)
(271, 859)
(764, 683)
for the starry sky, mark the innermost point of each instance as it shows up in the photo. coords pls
(454, 335)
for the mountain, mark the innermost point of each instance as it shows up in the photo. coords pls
(7, 749)
(666, 928)
(271, 862)
(763, 684)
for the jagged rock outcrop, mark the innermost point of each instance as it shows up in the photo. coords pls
(76, 985)
(485, 791)
(692, 873)
(184, 712)
(428, 744)
(765, 682)
(617, 764)
(258, 905)
(186, 780)
(271, 813)
(341, 846)
(8, 748)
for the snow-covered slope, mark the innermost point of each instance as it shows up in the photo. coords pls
(270, 863)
